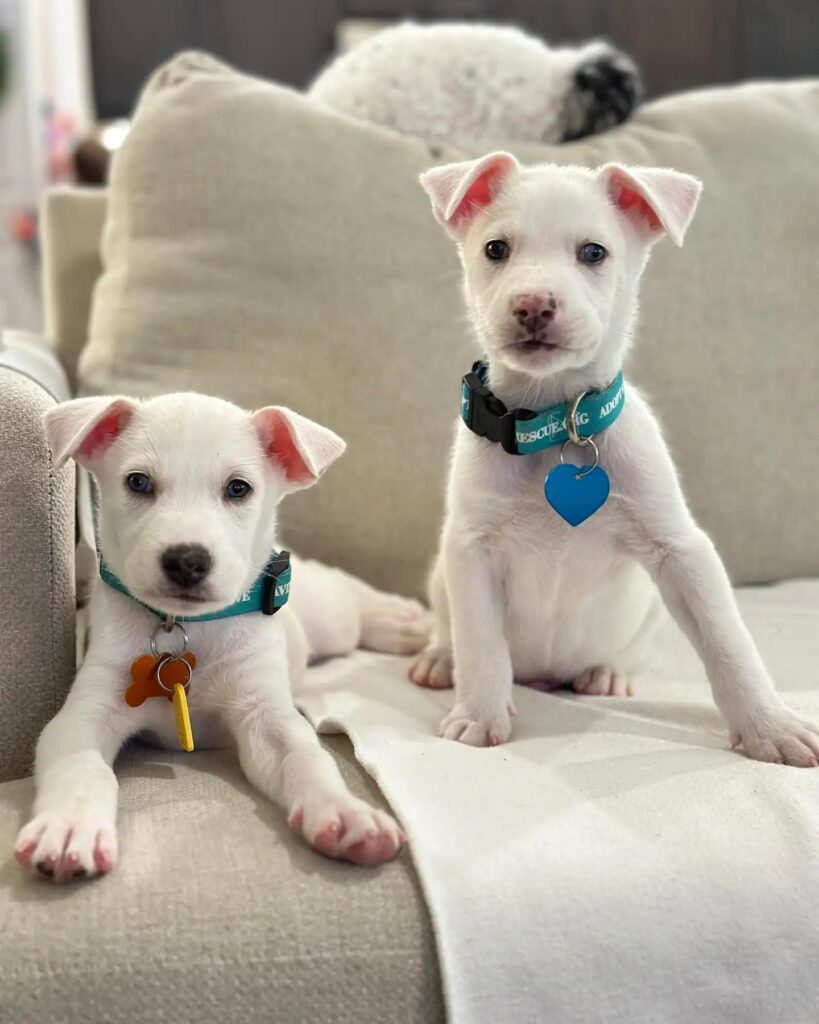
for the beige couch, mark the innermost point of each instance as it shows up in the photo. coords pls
(216, 910)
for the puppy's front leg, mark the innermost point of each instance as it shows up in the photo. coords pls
(697, 591)
(281, 756)
(73, 831)
(483, 666)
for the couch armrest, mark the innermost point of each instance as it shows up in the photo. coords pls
(37, 613)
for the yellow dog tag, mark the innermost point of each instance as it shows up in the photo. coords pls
(183, 719)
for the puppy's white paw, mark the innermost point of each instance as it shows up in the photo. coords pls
(484, 728)
(780, 737)
(397, 627)
(346, 828)
(603, 681)
(67, 847)
(433, 668)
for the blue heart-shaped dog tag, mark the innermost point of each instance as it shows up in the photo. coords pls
(576, 492)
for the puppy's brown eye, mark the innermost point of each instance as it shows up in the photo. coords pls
(497, 249)
(591, 252)
(237, 489)
(139, 483)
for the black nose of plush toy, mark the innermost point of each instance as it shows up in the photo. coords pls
(186, 564)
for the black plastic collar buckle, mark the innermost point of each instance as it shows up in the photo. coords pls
(274, 570)
(488, 416)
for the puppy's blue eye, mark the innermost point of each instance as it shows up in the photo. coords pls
(139, 483)
(591, 252)
(236, 489)
(496, 249)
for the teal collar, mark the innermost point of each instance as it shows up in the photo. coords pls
(522, 431)
(267, 594)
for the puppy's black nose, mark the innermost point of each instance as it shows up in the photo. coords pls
(186, 564)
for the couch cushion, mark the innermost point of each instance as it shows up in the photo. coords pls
(262, 248)
(215, 913)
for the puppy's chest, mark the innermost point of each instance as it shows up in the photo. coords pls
(538, 555)
(507, 500)
(213, 663)
(212, 684)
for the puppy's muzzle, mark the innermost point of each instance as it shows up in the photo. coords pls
(186, 564)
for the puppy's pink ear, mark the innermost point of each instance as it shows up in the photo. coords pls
(84, 429)
(460, 191)
(301, 448)
(654, 199)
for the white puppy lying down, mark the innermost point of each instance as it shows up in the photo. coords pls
(188, 490)
(552, 259)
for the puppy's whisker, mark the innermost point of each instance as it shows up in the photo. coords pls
(153, 446)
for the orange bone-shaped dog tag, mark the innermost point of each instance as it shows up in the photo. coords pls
(144, 683)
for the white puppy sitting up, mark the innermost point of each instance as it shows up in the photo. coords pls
(188, 490)
(562, 588)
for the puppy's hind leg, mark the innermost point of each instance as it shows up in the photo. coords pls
(433, 666)
(392, 624)
(616, 678)
(339, 613)
(603, 681)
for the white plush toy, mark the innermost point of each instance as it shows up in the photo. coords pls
(468, 84)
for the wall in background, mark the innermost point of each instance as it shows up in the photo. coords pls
(678, 43)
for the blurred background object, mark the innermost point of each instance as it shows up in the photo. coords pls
(70, 70)
(45, 107)
(678, 44)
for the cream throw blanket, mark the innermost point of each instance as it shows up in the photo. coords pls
(615, 862)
